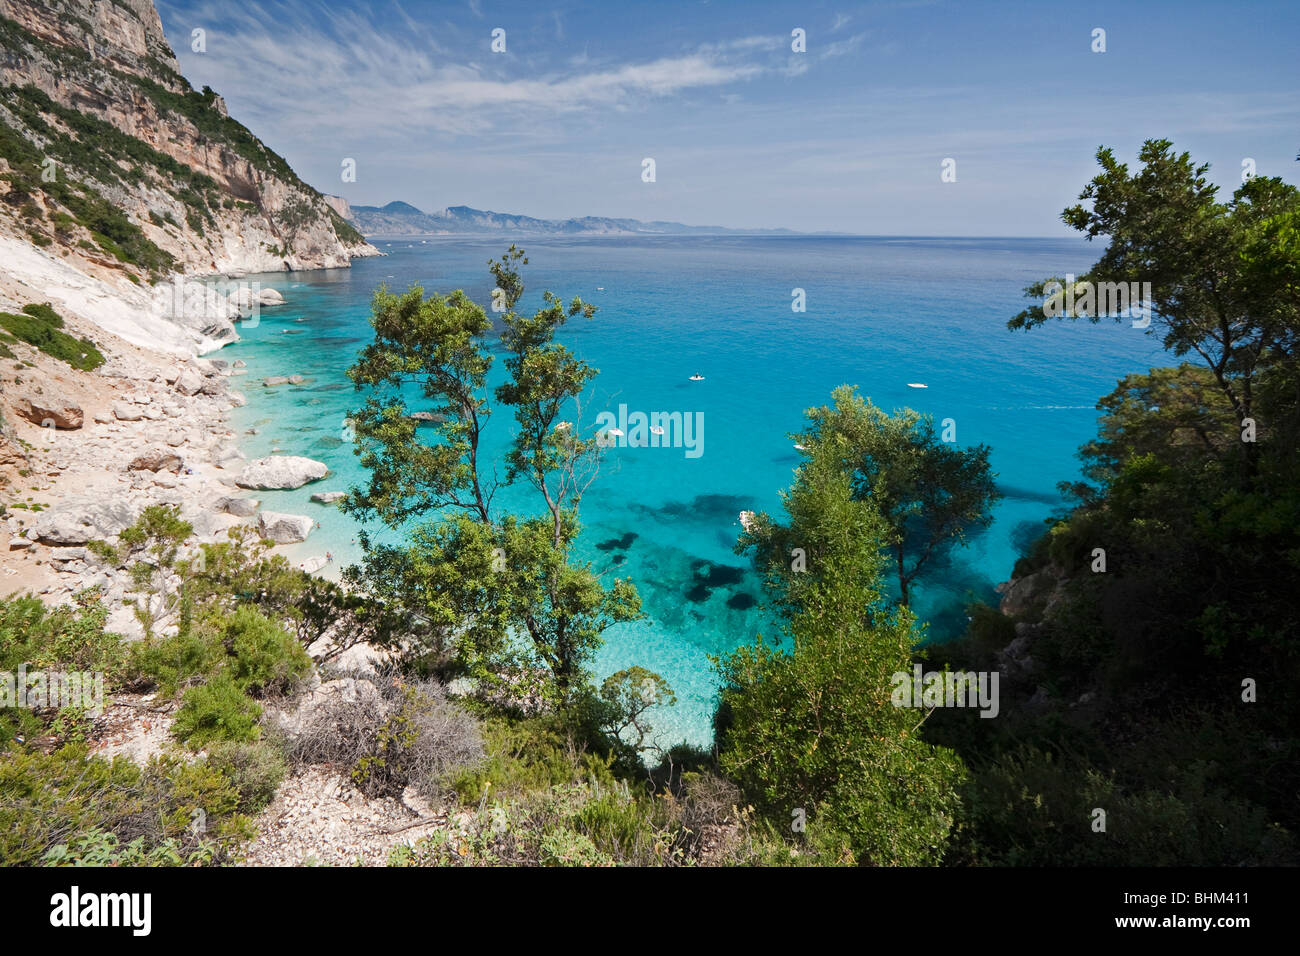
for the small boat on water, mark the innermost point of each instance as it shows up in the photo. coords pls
(697, 378)
(917, 385)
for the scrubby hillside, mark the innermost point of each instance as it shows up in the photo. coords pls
(109, 155)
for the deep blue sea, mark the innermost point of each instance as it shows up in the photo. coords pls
(880, 313)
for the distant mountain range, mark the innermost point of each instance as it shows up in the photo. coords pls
(403, 219)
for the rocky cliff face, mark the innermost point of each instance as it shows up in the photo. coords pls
(108, 153)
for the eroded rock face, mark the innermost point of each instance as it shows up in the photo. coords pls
(1020, 593)
(283, 528)
(12, 455)
(90, 56)
(49, 409)
(281, 472)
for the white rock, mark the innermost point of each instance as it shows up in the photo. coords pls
(240, 507)
(281, 471)
(78, 520)
(189, 382)
(283, 528)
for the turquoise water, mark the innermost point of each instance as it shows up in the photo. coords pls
(881, 313)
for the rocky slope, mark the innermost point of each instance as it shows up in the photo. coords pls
(110, 157)
(117, 179)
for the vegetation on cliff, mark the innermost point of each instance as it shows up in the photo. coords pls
(77, 179)
(1151, 659)
(42, 327)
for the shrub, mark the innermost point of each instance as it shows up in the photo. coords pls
(567, 848)
(216, 711)
(587, 824)
(265, 657)
(527, 755)
(41, 326)
(254, 770)
(67, 799)
(70, 638)
(97, 847)
(1031, 807)
(175, 662)
(402, 734)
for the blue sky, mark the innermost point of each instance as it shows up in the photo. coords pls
(848, 136)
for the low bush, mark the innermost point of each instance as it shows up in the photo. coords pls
(590, 824)
(174, 663)
(264, 656)
(68, 799)
(392, 734)
(68, 638)
(254, 770)
(216, 711)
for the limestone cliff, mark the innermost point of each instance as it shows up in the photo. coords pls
(110, 157)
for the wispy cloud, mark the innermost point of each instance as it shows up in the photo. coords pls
(299, 72)
(844, 47)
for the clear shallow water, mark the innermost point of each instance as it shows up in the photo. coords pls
(880, 313)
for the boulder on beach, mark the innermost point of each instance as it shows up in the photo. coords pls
(244, 298)
(189, 382)
(328, 497)
(284, 529)
(281, 471)
(127, 413)
(156, 459)
(78, 520)
(314, 564)
(49, 409)
(239, 507)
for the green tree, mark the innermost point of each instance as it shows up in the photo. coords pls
(151, 548)
(1173, 579)
(630, 695)
(931, 494)
(1222, 275)
(478, 577)
(813, 733)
